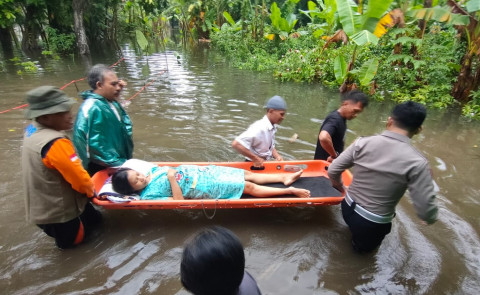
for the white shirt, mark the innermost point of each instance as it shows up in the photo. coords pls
(259, 138)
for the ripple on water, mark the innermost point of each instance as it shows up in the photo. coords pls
(404, 254)
(467, 244)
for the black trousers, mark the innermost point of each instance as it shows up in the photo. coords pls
(366, 235)
(94, 168)
(65, 233)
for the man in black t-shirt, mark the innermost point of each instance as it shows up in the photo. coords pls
(331, 138)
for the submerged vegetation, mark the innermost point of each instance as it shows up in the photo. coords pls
(427, 51)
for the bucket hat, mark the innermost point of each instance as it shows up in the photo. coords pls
(277, 103)
(46, 100)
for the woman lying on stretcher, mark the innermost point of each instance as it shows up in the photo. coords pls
(203, 182)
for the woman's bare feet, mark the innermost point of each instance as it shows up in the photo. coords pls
(300, 192)
(291, 178)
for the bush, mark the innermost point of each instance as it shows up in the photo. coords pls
(60, 43)
(423, 70)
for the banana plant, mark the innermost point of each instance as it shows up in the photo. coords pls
(468, 82)
(281, 27)
(235, 26)
(439, 14)
(322, 17)
(359, 28)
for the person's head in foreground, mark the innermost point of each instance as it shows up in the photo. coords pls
(408, 116)
(128, 181)
(213, 262)
(50, 107)
(353, 103)
(276, 109)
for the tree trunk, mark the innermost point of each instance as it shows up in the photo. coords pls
(113, 35)
(466, 81)
(422, 23)
(82, 43)
(31, 30)
(6, 41)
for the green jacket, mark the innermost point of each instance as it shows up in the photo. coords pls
(100, 136)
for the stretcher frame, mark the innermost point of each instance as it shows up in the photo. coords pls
(311, 168)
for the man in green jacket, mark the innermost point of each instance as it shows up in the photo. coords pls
(103, 130)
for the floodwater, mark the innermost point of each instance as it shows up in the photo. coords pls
(193, 106)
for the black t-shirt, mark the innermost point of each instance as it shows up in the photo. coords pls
(336, 126)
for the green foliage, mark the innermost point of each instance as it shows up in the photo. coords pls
(340, 68)
(375, 10)
(9, 11)
(364, 37)
(60, 43)
(473, 5)
(281, 26)
(348, 17)
(472, 108)
(27, 66)
(244, 52)
(141, 40)
(366, 72)
(50, 54)
(311, 64)
(422, 71)
(298, 65)
(229, 18)
(403, 66)
(322, 17)
(439, 14)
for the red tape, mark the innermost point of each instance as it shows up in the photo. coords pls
(63, 87)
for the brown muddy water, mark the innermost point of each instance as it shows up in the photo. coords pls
(191, 113)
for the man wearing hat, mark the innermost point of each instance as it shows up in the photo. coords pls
(56, 185)
(257, 143)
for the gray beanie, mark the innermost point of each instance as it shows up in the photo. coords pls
(276, 103)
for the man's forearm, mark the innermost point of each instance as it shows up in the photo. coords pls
(244, 151)
(327, 144)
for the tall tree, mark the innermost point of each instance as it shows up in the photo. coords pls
(34, 16)
(82, 43)
(469, 76)
(8, 14)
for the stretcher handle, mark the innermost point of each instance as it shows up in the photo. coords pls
(257, 168)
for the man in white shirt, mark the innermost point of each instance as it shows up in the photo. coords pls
(257, 143)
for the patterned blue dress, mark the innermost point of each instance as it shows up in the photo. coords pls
(196, 182)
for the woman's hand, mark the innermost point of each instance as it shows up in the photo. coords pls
(171, 173)
(176, 190)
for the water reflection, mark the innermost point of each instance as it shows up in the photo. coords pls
(191, 110)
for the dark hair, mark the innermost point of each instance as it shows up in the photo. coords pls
(213, 262)
(409, 115)
(356, 96)
(96, 74)
(120, 182)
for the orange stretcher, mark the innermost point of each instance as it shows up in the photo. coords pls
(314, 177)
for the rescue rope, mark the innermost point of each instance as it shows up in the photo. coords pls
(143, 88)
(214, 211)
(63, 87)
